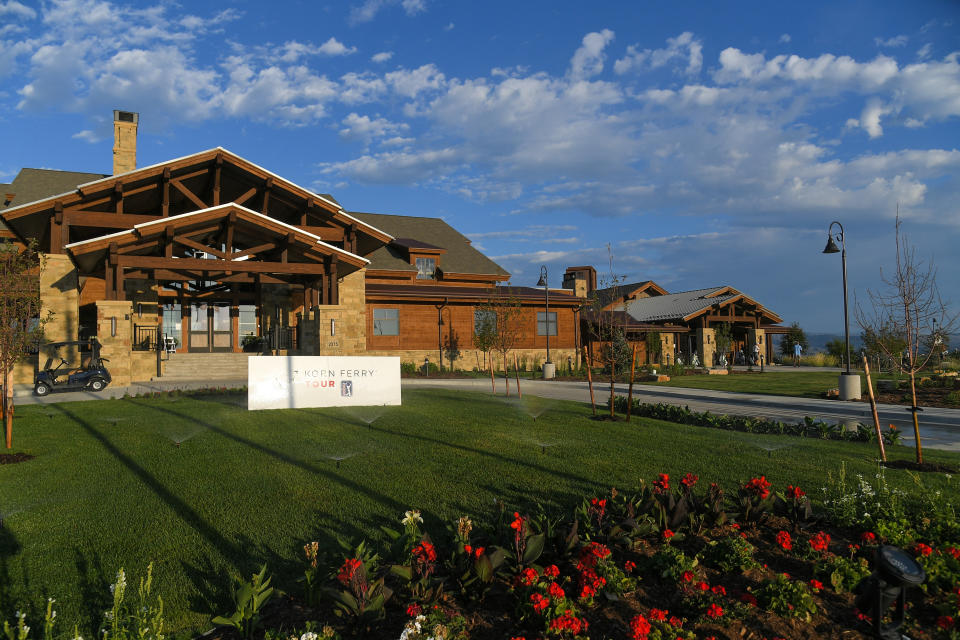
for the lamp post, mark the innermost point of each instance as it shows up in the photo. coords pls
(549, 369)
(849, 383)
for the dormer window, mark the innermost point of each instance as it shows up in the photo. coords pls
(426, 268)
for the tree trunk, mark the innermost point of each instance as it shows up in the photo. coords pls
(915, 409)
(506, 372)
(493, 381)
(613, 377)
(8, 407)
(633, 369)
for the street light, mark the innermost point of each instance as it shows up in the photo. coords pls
(548, 367)
(849, 383)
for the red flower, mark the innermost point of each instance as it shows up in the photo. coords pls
(703, 586)
(945, 622)
(539, 602)
(816, 585)
(517, 524)
(923, 549)
(868, 538)
(784, 540)
(552, 571)
(424, 552)
(662, 483)
(749, 599)
(719, 589)
(953, 551)
(795, 493)
(714, 611)
(629, 566)
(658, 614)
(478, 552)
(675, 622)
(667, 534)
(599, 505)
(555, 591)
(468, 549)
(820, 542)
(587, 592)
(568, 622)
(688, 576)
(414, 610)
(689, 480)
(758, 487)
(639, 628)
(528, 577)
(347, 571)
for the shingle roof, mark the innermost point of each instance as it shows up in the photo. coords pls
(676, 306)
(461, 257)
(609, 294)
(36, 184)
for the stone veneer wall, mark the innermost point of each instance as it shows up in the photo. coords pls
(350, 317)
(469, 358)
(706, 346)
(116, 345)
(755, 336)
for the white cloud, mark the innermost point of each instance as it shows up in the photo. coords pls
(784, 38)
(896, 41)
(383, 56)
(588, 60)
(370, 8)
(411, 82)
(334, 47)
(365, 129)
(870, 118)
(14, 8)
(683, 48)
(88, 136)
(924, 52)
(449, 27)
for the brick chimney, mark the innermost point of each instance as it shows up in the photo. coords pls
(124, 141)
(581, 280)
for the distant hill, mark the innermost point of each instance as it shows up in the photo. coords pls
(818, 341)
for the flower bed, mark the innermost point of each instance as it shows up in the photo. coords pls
(673, 559)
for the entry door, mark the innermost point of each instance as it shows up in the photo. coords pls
(210, 327)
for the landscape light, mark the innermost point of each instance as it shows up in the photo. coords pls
(893, 572)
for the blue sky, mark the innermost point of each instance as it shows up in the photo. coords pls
(705, 143)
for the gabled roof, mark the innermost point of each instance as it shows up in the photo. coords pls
(90, 253)
(610, 295)
(35, 184)
(681, 307)
(460, 257)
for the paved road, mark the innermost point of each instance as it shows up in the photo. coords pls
(940, 428)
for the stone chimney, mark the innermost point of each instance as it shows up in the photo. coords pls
(581, 280)
(124, 141)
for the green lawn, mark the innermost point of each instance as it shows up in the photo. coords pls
(109, 488)
(804, 384)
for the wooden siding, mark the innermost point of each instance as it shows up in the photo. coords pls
(418, 328)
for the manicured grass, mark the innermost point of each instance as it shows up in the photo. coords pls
(109, 488)
(802, 384)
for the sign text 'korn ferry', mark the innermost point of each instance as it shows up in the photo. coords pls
(299, 382)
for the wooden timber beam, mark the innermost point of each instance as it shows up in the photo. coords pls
(249, 193)
(88, 205)
(187, 242)
(327, 234)
(248, 266)
(106, 220)
(165, 196)
(217, 169)
(267, 186)
(167, 242)
(287, 242)
(729, 318)
(118, 197)
(334, 286)
(231, 225)
(267, 246)
(190, 194)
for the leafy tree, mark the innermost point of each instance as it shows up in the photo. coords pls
(905, 312)
(837, 349)
(654, 347)
(506, 316)
(723, 337)
(21, 325)
(885, 345)
(793, 336)
(451, 347)
(607, 327)
(484, 330)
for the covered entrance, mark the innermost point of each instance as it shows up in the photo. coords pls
(211, 329)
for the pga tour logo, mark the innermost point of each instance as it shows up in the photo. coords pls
(346, 388)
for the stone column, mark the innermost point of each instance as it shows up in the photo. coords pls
(706, 346)
(667, 355)
(757, 336)
(114, 331)
(59, 293)
(350, 318)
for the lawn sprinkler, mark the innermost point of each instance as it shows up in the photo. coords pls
(893, 572)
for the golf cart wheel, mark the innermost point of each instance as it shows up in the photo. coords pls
(41, 389)
(98, 385)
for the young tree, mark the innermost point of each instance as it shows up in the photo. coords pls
(793, 336)
(906, 309)
(883, 344)
(505, 316)
(607, 325)
(21, 326)
(837, 349)
(484, 331)
(654, 347)
(723, 338)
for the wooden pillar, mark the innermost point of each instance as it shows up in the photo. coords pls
(168, 242)
(165, 190)
(108, 280)
(218, 165)
(119, 290)
(334, 286)
(266, 195)
(325, 284)
(258, 300)
(118, 197)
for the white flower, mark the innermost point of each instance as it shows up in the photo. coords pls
(309, 635)
(411, 518)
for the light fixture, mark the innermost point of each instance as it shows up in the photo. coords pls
(549, 370)
(333, 326)
(893, 572)
(113, 327)
(849, 383)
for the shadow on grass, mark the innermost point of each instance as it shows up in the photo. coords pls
(93, 584)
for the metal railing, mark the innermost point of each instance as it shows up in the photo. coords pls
(282, 338)
(145, 337)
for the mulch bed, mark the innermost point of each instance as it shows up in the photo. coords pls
(14, 458)
(927, 396)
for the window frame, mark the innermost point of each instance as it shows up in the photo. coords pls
(378, 327)
(547, 322)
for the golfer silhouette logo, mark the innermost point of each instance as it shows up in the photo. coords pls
(346, 388)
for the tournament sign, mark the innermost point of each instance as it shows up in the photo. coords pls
(300, 382)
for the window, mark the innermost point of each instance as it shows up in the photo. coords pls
(426, 268)
(545, 320)
(386, 322)
(248, 320)
(172, 319)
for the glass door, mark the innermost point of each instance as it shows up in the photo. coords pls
(199, 326)
(211, 327)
